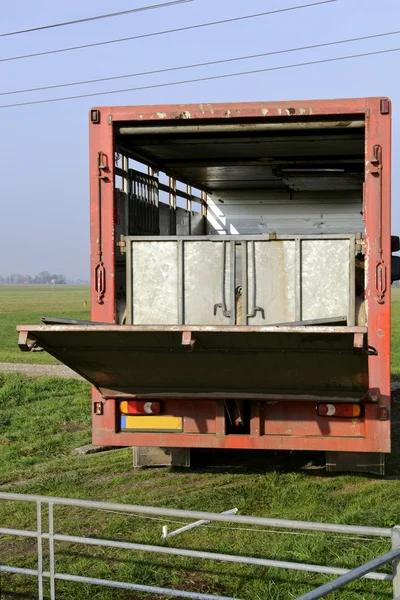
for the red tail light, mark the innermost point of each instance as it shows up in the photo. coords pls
(351, 411)
(139, 407)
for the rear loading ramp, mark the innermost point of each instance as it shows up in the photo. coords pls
(288, 362)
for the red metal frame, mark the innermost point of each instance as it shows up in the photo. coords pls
(377, 200)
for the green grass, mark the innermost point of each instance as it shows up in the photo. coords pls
(26, 304)
(41, 422)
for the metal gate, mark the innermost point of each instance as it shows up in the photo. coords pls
(40, 534)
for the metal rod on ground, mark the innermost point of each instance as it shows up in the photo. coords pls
(343, 580)
(165, 533)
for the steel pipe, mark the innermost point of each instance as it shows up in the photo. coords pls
(350, 576)
(149, 589)
(244, 560)
(209, 516)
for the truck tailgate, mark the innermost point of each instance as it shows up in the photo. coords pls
(290, 362)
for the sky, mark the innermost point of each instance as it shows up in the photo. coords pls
(44, 195)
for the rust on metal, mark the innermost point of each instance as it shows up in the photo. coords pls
(27, 342)
(358, 341)
(188, 342)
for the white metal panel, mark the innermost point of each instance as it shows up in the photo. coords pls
(154, 283)
(325, 278)
(204, 266)
(275, 281)
(188, 280)
(265, 211)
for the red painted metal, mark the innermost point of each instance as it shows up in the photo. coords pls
(369, 434)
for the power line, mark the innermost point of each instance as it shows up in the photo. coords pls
(203, 64)
(164, 32)
(201, 79)
(96, 18)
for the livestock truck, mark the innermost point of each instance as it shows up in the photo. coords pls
(241, 265)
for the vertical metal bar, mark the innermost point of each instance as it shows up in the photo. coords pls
(297, 283)
(129, 281)
(189, 206)
(232, 286)
(351, 317)
(223, 290)
(172, 204)
(396, 563)
(180, 282)
(204, 204)
(125, 177)
(245, 283)
(51, 552)
(39, 549)
(172, 192)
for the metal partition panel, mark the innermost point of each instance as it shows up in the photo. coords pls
(326, 279)
(207, 279)
(270, 282)
(180, 280)
(153, 283)
(229, 280)
(300, 279)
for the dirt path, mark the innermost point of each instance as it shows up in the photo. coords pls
(35, 370)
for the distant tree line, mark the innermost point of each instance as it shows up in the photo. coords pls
(42, 277)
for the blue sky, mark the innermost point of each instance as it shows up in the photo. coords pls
(44, 148)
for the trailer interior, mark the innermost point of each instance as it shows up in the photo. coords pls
(287, 198)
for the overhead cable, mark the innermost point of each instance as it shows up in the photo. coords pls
(95, 18)
(197, 65)
(163, 32)
(201, 79)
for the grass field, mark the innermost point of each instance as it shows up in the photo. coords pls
(25, 305)
(42, 421)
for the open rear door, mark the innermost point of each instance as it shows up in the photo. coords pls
(282, 362)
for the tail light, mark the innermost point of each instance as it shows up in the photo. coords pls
(139, 407)
(339, 410)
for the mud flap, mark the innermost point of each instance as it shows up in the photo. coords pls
(358, 462)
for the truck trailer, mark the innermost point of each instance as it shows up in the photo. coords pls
(241, 266)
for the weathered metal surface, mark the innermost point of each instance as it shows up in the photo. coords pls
(179, 280)
(326, 283)
(160, 457)
(360, 462)
(154, 282)
(271, 282)
(239, 127)
(225, 361)
(278, 420)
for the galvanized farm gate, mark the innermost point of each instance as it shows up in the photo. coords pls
(345, 576)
